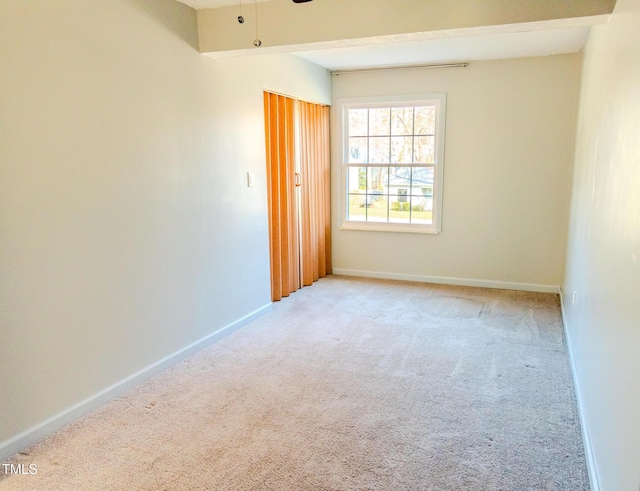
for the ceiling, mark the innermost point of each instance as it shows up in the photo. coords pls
(214, 4)
(492, 42)
(481, 44)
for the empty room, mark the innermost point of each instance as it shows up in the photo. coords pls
(320, 245)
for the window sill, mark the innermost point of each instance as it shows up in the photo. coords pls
(390, 227)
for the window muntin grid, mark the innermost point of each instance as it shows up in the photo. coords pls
(391, 162)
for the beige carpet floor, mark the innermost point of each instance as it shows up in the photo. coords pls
(351, 384)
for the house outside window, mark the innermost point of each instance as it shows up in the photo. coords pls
(392, 163)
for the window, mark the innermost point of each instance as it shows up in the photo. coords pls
(392, 159)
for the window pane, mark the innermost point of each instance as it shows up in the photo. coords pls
(422, 181)
(377, 180)
(402, 121)
(401, 147)
(358, 122)
(357, 180)
(425, 120)
(357, 151)
(379, 120)
(421, 210)
(399, 209)
(357, 210)
(399, 178)
(379, 150)
(424, 151)
(377, 209)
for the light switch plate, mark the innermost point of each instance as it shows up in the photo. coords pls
(250, 182)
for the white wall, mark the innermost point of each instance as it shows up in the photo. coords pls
(127, 231)
(508, 156)
(603, 259)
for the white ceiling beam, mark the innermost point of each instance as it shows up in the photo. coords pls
(286, 26)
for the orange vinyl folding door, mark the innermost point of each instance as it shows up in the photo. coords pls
(315, 192)
(298, 181)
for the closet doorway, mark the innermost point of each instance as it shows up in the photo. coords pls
(298, 190)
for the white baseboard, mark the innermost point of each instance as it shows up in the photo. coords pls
(23, 440)
(445, 280)
(586, 440)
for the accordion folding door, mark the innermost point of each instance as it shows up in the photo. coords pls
(298, 180)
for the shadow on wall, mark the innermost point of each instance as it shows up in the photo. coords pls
(165, 12)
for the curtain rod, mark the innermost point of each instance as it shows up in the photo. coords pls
(401, 67)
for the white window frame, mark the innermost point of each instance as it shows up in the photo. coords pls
(438, 100)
